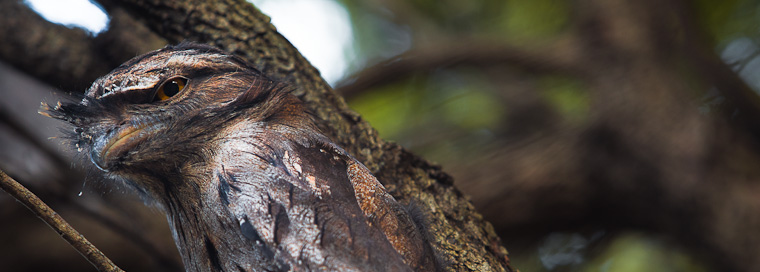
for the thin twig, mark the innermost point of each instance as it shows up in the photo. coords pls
(55, 221)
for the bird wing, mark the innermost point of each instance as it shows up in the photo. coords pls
(312, 207)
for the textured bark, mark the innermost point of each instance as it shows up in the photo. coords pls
(463, 239)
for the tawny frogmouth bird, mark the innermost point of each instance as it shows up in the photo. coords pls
(247, 181)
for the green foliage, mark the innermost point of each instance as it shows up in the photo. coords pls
(635, 252)
(472, 109)
(449, 102)
(567, 95)
(624, 252)
(389, 108)
(726, 20)
(531, 19)
(459, 16)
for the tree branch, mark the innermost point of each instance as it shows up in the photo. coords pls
(68, 58)
(558, 58)
(57, 223)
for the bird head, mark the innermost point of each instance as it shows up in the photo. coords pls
(158, 112)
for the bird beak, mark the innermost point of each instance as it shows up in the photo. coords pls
(110, 147)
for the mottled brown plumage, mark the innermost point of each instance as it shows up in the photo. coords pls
(247, 181)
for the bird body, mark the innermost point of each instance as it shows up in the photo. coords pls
(234, 159)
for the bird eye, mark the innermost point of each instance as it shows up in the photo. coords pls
(170, 88)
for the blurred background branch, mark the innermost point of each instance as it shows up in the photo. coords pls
(460, 53)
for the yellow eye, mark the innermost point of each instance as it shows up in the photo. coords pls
(170, 88)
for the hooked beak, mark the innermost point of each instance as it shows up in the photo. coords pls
(108, 149)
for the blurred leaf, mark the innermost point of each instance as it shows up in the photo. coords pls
(473, 109)
(388, 108)
(567, 95)
(635, 252)
(725, 20)
(531, 19)
(456, 16)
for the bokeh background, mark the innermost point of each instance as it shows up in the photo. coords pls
(594, 135)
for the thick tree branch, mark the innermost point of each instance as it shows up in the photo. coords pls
(54, 53)
(68, 58)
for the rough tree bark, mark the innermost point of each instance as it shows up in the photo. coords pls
(465, 241)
